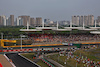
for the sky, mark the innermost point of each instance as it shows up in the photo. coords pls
(55, 10)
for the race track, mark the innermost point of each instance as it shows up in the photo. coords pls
(20, 61)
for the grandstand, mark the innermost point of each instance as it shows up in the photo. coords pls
(49, 36)
(54, 35)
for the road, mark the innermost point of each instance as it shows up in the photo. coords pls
(20, 61)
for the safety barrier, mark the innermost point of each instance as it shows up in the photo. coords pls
(48, 63)
(37, 49)
(34, 45)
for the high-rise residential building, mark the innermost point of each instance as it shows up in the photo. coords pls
(32, 22)
(90, 20)
(38, 21)
(25, 19)
(75, 20)
(98, 20)
(85, 20)
(81, 20)
(3, 20)
(12, 20)
(46, 21)
(78, 20)
(7, 21)
(19, 21)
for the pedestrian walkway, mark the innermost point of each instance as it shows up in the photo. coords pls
(4, 61)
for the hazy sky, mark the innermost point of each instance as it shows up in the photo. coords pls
(52, 9)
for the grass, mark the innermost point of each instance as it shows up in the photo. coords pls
(31, 55)
(42, 64)
(89, 54)
(70, 62)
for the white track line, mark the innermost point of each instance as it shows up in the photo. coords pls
(8, 60)
(29, 60)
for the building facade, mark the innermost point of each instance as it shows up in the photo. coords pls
(75, 20)
(32, 22)
(85, 20)
(25, 20)
(38, 21)
(12, 20)
(90, 20)
(98, 20)
(3, 20)
(79, 20)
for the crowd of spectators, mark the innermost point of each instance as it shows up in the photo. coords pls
(84, 60)
(64, 37)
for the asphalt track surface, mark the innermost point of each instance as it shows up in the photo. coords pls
(20, 61)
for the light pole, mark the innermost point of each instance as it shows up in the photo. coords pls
(76, 64)
(1, 35)
(21, 40)
(58, 56)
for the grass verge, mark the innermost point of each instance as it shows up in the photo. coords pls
(31, 55)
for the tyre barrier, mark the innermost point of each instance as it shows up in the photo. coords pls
(48, 63)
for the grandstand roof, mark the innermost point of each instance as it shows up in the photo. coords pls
(44, 28)
(95, 32)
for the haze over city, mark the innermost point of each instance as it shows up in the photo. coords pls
(52, 9)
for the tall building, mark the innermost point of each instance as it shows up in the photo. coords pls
(81, 20)
(25, 20)
(98, 20)
(75, 20)
(78, 20)
(85, 20)
(38, 21)
(7, 21)
(32, 22)
(90, 20)
(12, 20)
(19, 21)
(46, 21)
(1, 20)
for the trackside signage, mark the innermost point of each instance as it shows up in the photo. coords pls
(70, 44)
